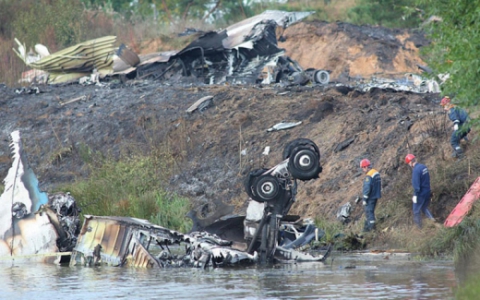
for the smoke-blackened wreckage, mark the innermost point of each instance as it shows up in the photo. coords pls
(36, 226)
(243, 53)
(39, 227)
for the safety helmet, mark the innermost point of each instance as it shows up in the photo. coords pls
(364, 163)
(445, 101)
(409, 158)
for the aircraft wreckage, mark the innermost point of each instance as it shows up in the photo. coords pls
(243, 53)
(35, 226)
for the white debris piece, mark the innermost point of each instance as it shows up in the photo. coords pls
(283, 125)
(266, 151)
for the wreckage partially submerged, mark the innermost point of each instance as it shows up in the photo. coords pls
(269, 234)
(243, 53)
(122, 241)
(35, 226)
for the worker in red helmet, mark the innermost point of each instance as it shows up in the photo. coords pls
(421, 189)
(372, 191)
(461, 126)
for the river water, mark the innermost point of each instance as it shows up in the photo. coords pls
(341, 277)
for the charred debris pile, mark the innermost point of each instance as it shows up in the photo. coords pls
(35, 226)
(247, 52)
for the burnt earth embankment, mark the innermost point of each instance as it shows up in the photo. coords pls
(217, 147)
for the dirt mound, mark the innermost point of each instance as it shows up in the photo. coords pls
(354, 51)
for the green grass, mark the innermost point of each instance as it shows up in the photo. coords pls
(131, 187)
(470, 289)
(330, 228)
(172, 212)
(343, 238)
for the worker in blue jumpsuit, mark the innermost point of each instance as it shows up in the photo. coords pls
(372, 191)
(461, 126)
(421, 189)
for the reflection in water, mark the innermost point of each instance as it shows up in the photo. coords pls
(468, 265)
(345, 278)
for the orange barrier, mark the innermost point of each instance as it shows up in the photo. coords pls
(464, 206)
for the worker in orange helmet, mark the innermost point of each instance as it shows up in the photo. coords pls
(421, 189)
(461, 128)
(372, 191)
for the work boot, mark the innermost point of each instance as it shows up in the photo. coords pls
(365, 229)
(457, 153)
(460, 154)
(368, 226)
(417, 219)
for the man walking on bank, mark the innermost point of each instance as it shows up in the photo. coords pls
(372, 191)
(421, 189)
(461, 128)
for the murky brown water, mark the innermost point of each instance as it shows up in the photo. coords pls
(346, 277)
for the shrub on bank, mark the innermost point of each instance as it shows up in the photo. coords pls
(131, 187)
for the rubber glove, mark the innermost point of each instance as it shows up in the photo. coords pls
(414, 199)
(455, 127)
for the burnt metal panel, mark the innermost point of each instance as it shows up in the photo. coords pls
(210, 41)
(92, 235)
(112, 240)
(142, 258)
(237, 32)
(120, 240)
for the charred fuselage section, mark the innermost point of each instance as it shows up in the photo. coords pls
(244, 53)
